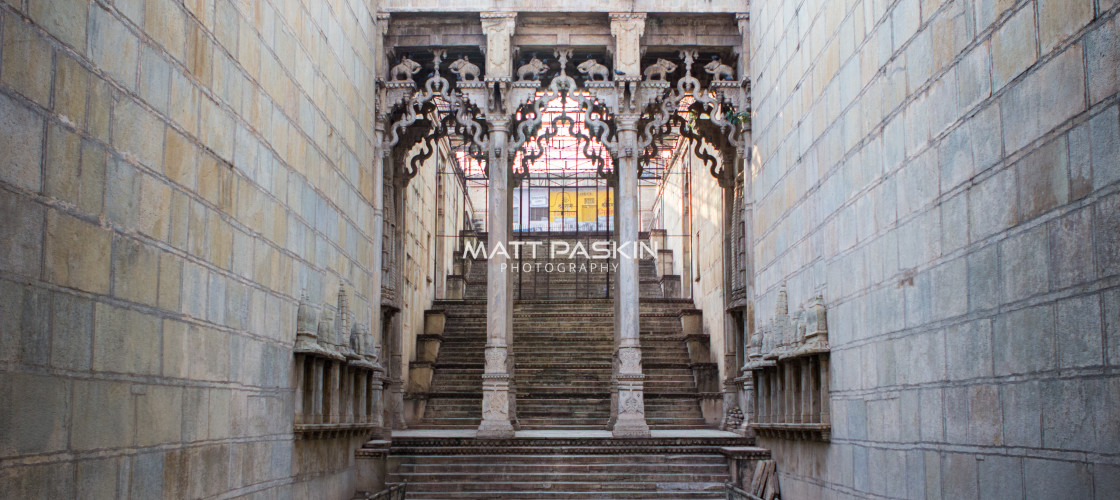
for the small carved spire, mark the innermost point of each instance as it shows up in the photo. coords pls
(305, 317)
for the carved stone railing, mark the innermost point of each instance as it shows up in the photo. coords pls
(789, 361)
(338, 380)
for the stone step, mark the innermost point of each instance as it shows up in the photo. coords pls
(543, 495)
(562, 467)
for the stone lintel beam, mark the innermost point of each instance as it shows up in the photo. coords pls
(589, 31)
(723, 7)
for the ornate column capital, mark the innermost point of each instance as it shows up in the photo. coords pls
(498, 28)
(627, 29)
(383, 23)
(742, 19)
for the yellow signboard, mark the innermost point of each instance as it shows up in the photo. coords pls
(561, 204)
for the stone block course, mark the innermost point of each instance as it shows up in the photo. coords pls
(1024, 341)
(180, 159)
(154, 216)
(122, 193)
(1013, 46)
(1103, 60)
(1059, 19)
(969, 350)
(1106, 235)
(1110, 306)
(27, 59)
(54, 480)
(1104, 131)
(1047, 97)
(1046, 478)
(147, 475)
(1024, 264)
(21, 139)
(126, 341)
(100, 478)
(959, 476)
(1001, 477)
(135, 270)
(991, 205)
(76, 253)
(97, 116)
(1071, 254)
(166, 22)
(138, 134)
(113, 47)
(1079, 332)
(71, 340)
(1043, 179)
(1022, 414)
(21, 235)
(155, 79)
(44, 428)
(158, 412)
(64, 19)
(71, 86)
(102, 415)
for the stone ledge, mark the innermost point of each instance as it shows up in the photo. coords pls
(564, 445)
(746, 452)
(816, 432)
(320, 431)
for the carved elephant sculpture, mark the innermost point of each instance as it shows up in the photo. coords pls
(531, 70)
(464, 69)
(404, 70)
(594, 70)
(659, 70)
(719, 71)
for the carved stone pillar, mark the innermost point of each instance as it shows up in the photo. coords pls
(745, 163)
(497, 401)
(630, 420)
(378, 197)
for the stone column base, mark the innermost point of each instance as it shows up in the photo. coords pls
(496, 422)
(631, 416)
(630, 426)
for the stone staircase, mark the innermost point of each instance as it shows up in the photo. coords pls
(563, 467)
(562, 350)
(562, 346)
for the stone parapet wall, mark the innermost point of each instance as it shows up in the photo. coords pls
(172, 174)
(945, 173)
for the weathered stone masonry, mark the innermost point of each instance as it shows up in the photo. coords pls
(173, 175)
(945, 173)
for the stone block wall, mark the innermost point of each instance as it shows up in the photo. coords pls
(421, 232)
(945, 173)
(172, 174)
(705, 285)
